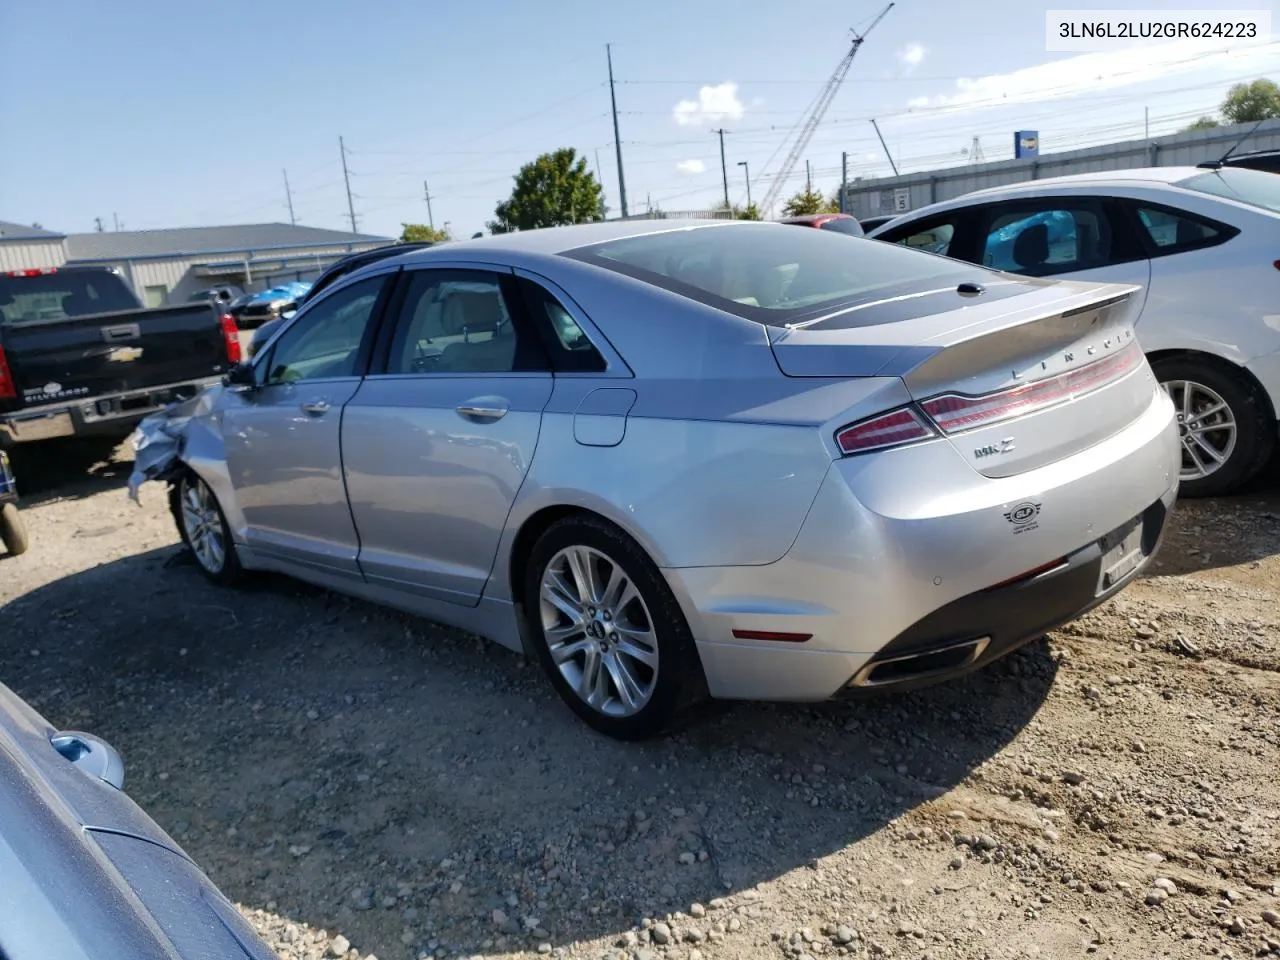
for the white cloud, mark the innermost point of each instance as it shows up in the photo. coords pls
(911, 56)
(691, 166)
(1090, 72)
(714, 105)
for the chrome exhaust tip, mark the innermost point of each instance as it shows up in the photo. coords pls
(919, 666)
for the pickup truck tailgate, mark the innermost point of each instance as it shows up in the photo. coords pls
(107, 353)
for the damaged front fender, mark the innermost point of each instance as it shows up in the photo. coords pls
(160, 442)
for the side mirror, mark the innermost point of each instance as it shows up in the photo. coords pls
(241, 375)
(288, 312)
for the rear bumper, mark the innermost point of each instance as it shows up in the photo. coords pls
(899, 556)
(104, 415)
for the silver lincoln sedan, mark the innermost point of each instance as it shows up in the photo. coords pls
(679, 460)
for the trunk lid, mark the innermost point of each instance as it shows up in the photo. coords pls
(1056, 364)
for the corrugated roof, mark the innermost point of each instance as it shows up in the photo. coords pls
(138, 244)
(20, 231)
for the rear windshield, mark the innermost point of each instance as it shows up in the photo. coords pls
(844, 225)
(57, 296)
(775, 274)
(1253, 187)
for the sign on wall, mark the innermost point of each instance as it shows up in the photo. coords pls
(1026, 143)
(902, 199)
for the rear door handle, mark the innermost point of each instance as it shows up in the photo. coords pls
(317, 407)
(484, 409)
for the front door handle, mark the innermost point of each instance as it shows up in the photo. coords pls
(484, 409)
(317, 407)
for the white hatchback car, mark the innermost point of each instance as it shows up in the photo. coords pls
(1203, 244)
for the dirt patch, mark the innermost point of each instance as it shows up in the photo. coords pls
(338, 767)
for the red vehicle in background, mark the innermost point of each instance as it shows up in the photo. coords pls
(837, 222)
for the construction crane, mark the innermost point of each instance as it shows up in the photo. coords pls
(819, 109)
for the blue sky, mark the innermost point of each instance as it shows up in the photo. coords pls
(174, 114)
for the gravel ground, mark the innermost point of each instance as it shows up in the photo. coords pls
(367, 784)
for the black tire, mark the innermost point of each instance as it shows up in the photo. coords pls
(230, 571)
(678, 683)
(13, 530)
(1255, 438)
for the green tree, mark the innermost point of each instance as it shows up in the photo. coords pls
(421, 233)
(808, 201)
(749, 212)
(1204, 123)
(554, 190)
(1251, 102)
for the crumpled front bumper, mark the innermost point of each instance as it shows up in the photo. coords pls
(158, 440)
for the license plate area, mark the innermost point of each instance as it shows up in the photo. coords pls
(1122, 553)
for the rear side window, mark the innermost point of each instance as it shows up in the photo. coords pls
(1045, 242)
(1174, 231)
(773, 273)
(59, 295)
(570, 347)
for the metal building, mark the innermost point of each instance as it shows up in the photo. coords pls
(27, 248)
(893, 195)
(166, 266)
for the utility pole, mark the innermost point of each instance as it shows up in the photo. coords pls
(1146, 123)
(97, 221)
(426, 195)
(808, 180)
(617, 138)
(346, 176)
(724, 170)
(844, 179)
(746, 172)
(289, 198)
(116, 218)
(876, 127)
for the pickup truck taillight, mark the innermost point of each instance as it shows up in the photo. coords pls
(231, 334)
(7, 389)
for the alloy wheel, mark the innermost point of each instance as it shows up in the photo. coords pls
(599, 631)
(1206, 427)
(202, 523)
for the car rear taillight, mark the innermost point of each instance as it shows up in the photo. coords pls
(891, 429)
(954, 413)
(43, 272)
(231, 334)
(7, 389)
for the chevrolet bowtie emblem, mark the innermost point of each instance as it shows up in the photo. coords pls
(124, 354)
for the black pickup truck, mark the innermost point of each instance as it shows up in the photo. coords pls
(79, 356)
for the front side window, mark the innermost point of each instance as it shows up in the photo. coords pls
(772, 273)
(458, 321)
(1043, 242)
(325, 341)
